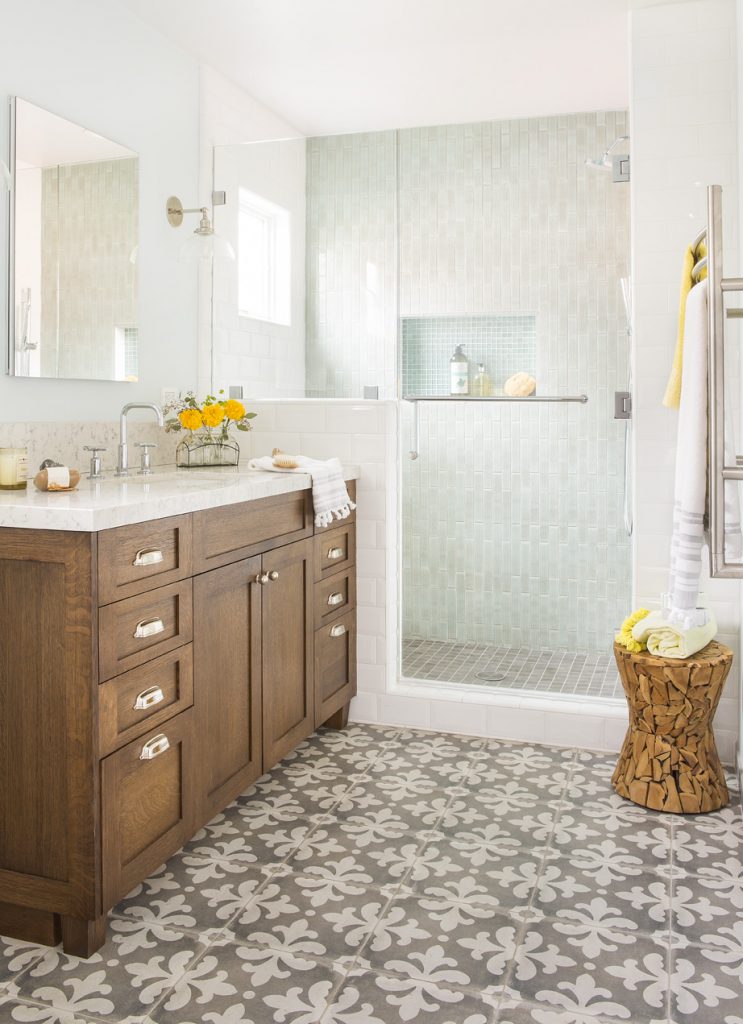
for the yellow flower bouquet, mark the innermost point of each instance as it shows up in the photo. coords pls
(208, 424)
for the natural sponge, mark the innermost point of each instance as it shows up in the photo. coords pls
(520, 385)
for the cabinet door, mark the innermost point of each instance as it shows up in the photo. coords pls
(147, 804)
(227, 681)
(288, 689)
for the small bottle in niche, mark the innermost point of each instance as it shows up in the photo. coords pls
(13, 469)
(460, 372)
(482, 385)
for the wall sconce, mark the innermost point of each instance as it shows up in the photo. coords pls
(204, 244)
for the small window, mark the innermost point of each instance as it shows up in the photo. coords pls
(264, 259)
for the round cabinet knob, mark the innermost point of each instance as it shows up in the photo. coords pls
(273, 575)
(262, 578)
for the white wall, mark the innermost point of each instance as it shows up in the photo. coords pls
(96, 64)
(684, 136)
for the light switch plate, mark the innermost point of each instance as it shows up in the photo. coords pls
(168, 395)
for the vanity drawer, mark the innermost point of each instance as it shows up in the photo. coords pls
(340, 523)
(143, 698)
(335, 550)
(138, 629)
(233, 532)
(334, 596)
(147, 803)
(335, 666)
(134, 559)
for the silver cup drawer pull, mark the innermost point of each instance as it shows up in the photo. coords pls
(148, 698)
(148, 627)
(154, 747)
(148, 556)
(338, 630)
(335, 553)
(335, 599)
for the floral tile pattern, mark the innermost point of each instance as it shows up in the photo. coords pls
(386, 876)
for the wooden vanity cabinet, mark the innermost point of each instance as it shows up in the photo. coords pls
(148, 675)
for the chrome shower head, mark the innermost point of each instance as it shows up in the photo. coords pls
(605, 161)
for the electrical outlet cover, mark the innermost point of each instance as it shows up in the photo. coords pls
(168, 396)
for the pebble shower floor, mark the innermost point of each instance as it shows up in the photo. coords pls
(379, 876)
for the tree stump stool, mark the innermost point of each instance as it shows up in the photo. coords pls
(669, 759)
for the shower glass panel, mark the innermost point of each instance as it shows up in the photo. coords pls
(515, 557)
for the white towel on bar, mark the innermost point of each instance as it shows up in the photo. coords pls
(329, 491)
(691, 473)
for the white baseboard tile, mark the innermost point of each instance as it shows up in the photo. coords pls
(411, 711)
(508, 723)
(364, 708)
(456, 716)
(566, 729)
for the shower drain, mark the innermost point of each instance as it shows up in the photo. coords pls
(491, 677)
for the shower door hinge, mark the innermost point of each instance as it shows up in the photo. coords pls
(620, 168)
(622, 405)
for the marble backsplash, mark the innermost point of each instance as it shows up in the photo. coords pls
(64, 442)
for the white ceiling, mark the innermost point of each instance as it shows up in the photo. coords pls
(356, 65)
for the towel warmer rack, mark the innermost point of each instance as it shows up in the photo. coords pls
(718, 472)
(417, 399)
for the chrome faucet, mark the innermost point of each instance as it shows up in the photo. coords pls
(122, 468)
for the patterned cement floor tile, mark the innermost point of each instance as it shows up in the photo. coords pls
(707, 983)
(311, 916)
(456, 879)
(379, 864)
(123, 982)
(193, 894)
(370, 998)
(234, 984)
(583, 970)
(22, 1011)
(478, 943)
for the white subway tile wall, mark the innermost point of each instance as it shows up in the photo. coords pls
(352, 265)
(684, 137)
(512, 515)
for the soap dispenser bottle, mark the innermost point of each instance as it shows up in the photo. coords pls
(482, 385)
(460, 372)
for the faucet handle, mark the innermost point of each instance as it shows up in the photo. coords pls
(145, 465)
(95, 462)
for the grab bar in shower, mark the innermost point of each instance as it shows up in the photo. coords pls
(417, 399)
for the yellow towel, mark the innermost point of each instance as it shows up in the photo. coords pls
(672, 397)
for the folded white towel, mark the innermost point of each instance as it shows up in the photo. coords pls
(329, 491)
(691, 469)
(666, 640)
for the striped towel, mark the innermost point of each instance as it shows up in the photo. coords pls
(681, 603)
(329, 493)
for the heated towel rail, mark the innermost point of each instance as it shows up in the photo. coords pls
(417, 399)
(718, 472)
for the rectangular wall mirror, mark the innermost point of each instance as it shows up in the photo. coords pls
(73, 282)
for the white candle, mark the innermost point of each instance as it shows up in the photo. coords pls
(13, 469)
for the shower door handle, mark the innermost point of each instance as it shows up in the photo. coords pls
(622, 405)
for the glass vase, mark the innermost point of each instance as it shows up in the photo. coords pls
(202, 450)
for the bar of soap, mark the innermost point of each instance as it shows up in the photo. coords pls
(57, 478)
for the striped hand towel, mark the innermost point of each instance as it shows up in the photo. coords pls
(329, 493)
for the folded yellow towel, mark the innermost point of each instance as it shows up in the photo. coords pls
(672, 397)
(667, 641)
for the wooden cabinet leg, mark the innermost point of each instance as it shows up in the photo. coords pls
(339, 720)
(81, 937)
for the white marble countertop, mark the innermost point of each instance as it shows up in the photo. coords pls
(103, 504)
